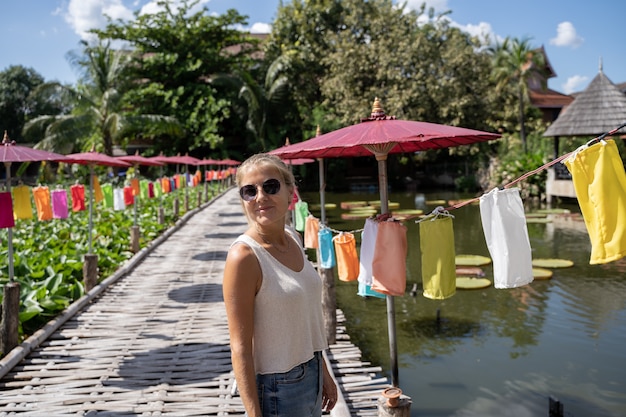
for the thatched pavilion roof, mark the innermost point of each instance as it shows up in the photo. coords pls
(598, 109)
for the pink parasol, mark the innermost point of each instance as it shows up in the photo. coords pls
(298, 161)
(92, 158)
(206, 161)
(137, 159)
(178, 159)
(228, 162)
(140, 160)
(380, 135)
(11, 152)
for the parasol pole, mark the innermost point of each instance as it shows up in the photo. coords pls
(9, 229)
(381, 151)
(90, 251)
(322, 176)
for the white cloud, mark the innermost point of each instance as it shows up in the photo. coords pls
(575, 83)
(438, 5)
(566, 36)
(261, 28)
(84, 15)
(482, 31)
(151, 7)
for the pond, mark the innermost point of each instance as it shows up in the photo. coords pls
(499, 352)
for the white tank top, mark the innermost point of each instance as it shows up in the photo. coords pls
(288, 320)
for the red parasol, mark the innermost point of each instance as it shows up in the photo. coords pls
(137, 159)
(207, 161)
(92, 158)
(95, 158)
(228, 162)
(298, 161)
(178, 159)
(140, 160)
(380, 135)
(11, 152)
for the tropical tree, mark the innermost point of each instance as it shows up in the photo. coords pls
(300, 33)
(177, 51)
(420, 67)
(345, 53)
(515, 63)
(99, 118)
(17, 104)
(259, 104)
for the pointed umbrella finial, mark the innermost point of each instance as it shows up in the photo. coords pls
(5, 139)
(287, 143)
(318, 131)
(377, 109)
(600, 67)
(93, 148)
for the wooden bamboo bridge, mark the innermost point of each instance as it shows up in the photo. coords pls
(152, 340)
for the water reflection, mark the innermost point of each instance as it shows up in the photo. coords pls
(501, 352)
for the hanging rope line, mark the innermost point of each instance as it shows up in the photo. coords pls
(441, 210)
(541, 168)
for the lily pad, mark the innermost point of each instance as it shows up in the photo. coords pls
(347, 205)
(406, 214)
(541, 273)
(469, 271)
(471, 260)
(554, 211)
(436, 202)
(327, 206)
(535, 215)
(356, 215)
(469, 283)
(538, 220)
(552, 263)
(391, 204)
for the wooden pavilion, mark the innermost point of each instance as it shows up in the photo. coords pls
(600, 108)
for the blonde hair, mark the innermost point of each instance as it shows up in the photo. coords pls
(266, 159)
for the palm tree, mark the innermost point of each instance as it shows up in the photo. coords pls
(260, 101)
(515, 62)
(98, 117)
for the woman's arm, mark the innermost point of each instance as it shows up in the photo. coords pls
(242, 279)
(329, 389)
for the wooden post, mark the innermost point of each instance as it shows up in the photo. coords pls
(199, 198)
(555, 407)
(392, 403)
(329, 304)
(161, 215)
(10, 317)
(90, 271)
(176, 207)
(134, 239)
(186, 202)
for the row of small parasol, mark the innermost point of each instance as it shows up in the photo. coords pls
(11, 153)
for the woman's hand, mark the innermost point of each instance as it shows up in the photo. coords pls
(329, 391)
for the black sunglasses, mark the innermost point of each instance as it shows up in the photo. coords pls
(248, 192)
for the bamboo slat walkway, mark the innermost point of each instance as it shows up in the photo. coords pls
(152, 340)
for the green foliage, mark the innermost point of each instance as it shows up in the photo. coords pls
(99, 118)
(17, 104)
(176, 53)
(48, 255)
(517, 64)
(512, 163)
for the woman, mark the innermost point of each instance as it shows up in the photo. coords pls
(273, 303)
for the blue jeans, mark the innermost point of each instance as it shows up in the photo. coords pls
(295, 393)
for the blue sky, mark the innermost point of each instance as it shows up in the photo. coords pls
(577, 35)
